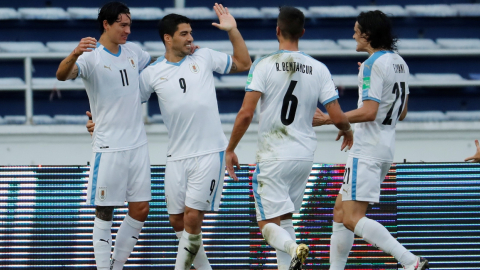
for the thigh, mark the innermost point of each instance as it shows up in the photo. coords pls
(297, 173)
(271, 190)
(362, 180)
(139, 175)
(175, 186)
(108, 179)
(205, 182)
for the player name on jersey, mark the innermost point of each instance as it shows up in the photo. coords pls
(398, 68)
(294, 66)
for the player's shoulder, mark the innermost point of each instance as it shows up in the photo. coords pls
(156, 64)
(131, 46)
(262, 61)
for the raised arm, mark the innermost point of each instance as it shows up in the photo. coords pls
(241, 57)
(67, 68)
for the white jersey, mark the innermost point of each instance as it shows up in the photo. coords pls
(111, 81)
(188, 102)
(383, 78)
(291, 84)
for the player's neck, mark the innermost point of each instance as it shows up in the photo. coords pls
(371, 50)
(109, 45)
(288, 45)
(173, 56)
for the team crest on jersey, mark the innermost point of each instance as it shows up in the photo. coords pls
(132, 62)
(194, 68)
(102, 193)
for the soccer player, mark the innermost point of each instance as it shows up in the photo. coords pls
(185, 88)
(383, 97)
(476, 157)
(288, 83)
(120, 163)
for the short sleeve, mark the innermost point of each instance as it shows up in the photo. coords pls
(372, 85)
(221, 62)
(83, 66)
(255, 79)
(145, 86)
(328, 90)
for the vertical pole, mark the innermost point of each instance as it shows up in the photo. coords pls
(257, 110)
(28, 91)
(179, 3)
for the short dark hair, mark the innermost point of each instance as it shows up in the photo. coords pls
(110, 12)
(378, 29)
(169, 24)
(291, 22)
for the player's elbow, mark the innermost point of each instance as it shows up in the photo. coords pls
(60, 76)
(370, 116)
(245, 116)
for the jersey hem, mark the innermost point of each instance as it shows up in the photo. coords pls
(119, 149)
(198, 154)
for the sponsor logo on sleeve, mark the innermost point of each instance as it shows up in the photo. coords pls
(366, 83)
(249, 79)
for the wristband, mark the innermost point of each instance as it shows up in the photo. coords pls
(350, 129)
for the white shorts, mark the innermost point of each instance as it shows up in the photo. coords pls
(116, 177)
(362, 179)
(278, 187)
(195, 182)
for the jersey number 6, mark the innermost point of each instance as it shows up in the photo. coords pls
(289, 97)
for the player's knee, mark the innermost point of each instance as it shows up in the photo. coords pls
(349, 222)
(139, 210)
(193, 217)
(338, 213)
(104, 212)
(176, 220)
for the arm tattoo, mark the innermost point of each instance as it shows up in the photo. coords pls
(331, 103)
(234, 67)
(104, 212)
(69, 61)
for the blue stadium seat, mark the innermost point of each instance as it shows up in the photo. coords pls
(81, 13)
(426, 116)
(51, 83)
(23, 47)
(349, 44)
(439, 77)
(15, 119)
(70, 119)
(459, 43)
(228, 118)
(9, 14)
(9, 82)
(218, 45)
(154, 46)
(269, 12)
(390, 10)
(147, 13)
(467, 10)
(246, 13)
(345, 80)
(43, 120)
(44, 13)
(156, 118)
(431, 10)
(2, 122)
(463, 115)
(194, 13)
(333, 12)
(317, 44)
(264, 46)
(416, 44)
(62, 46)
(233, 81)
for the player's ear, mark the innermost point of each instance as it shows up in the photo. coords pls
(303, 32)
(167, 38)
(105, 25)
(278, 31)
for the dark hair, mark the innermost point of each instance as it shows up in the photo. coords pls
(169, 24)
(291, 22)
(378, 29)
(110, 12)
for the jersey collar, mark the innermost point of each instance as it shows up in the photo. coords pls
(176, 64)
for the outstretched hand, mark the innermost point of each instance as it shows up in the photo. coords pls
(476, 157)
(320, 118)
(230, 161)
(227, 22)
(90, 125)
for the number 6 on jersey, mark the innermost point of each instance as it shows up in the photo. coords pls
(289, 97)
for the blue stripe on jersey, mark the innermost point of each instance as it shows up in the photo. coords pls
(114, 54)
(329, 100)
(228, 64)
(98, 155)
(222, 170)
(367, 69)
(257, 196)
(177, 64)
(371, 98)
(79, 69)
(160, 59)
(354, 179)
(98, 44)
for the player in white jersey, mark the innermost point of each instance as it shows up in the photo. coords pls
(383, 97)
(185, 88)
(120, 167)
(289, 84)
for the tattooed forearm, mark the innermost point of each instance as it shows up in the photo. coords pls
(104, 212)
(331, 103)
(69, 61)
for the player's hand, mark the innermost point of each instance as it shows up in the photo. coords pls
(86, 45)
(193, 48)
(320, 118)
(476, 157)
(232, 160)
(227, 22)
(347, 139)
(359, 65)
(90, 125)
